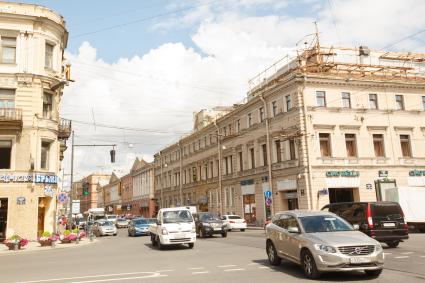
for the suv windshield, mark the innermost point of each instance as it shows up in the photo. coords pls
(386, 210)
(324, 223)
(234, 217)
(209, 217)
(176, 216)
(140, 222)
(106, 223)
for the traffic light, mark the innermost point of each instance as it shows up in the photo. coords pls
(85, 189)
(112, 152)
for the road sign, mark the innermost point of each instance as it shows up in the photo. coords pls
(75, 206)
(268, 194)
(62, 197)
(268, 201)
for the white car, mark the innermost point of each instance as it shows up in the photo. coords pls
(112, 217)
(103, 228)
(234, 222)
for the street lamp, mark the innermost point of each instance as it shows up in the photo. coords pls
(219, 167)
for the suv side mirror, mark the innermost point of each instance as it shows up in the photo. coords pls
(294, 230)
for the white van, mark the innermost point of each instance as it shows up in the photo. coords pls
(112, 217)
(174, 226)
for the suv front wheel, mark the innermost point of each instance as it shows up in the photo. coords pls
(274, 259)
(393, 244)
(309, 265)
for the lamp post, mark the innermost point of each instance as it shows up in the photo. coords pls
(219, 168)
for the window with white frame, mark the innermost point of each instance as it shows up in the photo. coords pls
(321, 98)
(45, 155)
(399, 102)
(346, 99)
(288, 102)
(8, 50)
(7, 99)
(261, 114)
(350, 145)
(249, 118)
(238, 125)
(406, 149)
(47, 105)
(373, 101)
(325, 144)
(48, 56)
(274, 108)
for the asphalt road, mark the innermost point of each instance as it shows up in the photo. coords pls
(240, 257)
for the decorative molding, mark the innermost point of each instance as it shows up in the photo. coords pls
(377, 128)
(350, 127)
(400, 129)
(324, 126)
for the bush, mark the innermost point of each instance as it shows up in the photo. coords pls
(66, 232)
(46, 234)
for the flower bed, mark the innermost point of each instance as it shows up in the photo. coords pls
(47, 239)
(69, 236)
(17, 241)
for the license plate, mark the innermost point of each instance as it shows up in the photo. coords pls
(217, 229)
(179, 236)
(355, 260)
(388, 224)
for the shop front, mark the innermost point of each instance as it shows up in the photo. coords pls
(343, 186)
(248, 201)
(287, 189)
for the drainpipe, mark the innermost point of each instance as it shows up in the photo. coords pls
(269, 157)
(219, 168)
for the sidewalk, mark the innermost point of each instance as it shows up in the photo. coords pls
(35, 247)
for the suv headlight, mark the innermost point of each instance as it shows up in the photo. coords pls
(193, 228)
(324, 248)
(378, 248)
(164, 231)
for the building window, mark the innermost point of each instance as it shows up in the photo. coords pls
(230, 129)
(278, 151)
(325, 144)
(44, 159)
(238, 126)
(264, 150)
(346, 100)
(8, 50)
(373, 101)
(249, 120)
(423, 102)
(405, 146)
(47, 105)
(240, 161)
(378, 145)
(399, 102)
(7, 99)
(321, 98)
(5, 154)
(252, 154)
(289, 102)
(292, 149)
(212, 168)
(224, 131)
(274, 108)
(261, 114)
(48, 56)
(350, 145)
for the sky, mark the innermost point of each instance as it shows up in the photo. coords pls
(141, 68)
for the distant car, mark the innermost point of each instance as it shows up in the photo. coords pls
(139, 226)
(234, 222)
(321, 242)
(103, 228)
(122, 223)
(208, 224)
(111, 217)
(383, 221)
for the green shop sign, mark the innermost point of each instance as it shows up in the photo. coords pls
(345, 173)
(415, 173)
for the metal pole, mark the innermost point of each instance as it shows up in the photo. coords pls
(72, 180)
(180, 175)
(219, 168)
(162, 187)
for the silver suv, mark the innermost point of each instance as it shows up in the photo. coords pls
(321, 242)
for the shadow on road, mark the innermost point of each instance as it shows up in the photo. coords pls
(295, 270)
(168, 247)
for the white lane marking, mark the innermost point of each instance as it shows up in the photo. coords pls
(422, 255)
(164, 270)
(264, 267)
(118, 279)
(388, 253)
(253, 263)
(401, 257)
(234, 269)
(406, 253)
(200, 272)
(196, 268)
(91, 276)
(223, 266)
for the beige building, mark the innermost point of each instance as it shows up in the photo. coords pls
(330, 125)
(91, 184)
(32, 135)
(143, 198)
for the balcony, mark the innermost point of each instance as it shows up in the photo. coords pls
(11, 119)
(64, 130)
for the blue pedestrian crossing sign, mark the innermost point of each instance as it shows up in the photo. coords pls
(268, 194)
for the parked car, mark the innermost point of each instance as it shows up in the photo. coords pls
(112, 217)
(234, 222)
(320, 242)
(122, 223)
(103, 228)
(208, 224)
(140, 226)
(383, 221)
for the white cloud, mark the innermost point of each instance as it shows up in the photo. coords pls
(161, 89)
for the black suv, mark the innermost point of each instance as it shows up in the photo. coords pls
(208, 223)
(383, 221)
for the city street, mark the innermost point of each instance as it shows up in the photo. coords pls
(240, 257)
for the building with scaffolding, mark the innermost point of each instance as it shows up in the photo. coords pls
(326, 125)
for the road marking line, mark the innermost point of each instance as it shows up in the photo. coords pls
(200, 272)
(229, 265)
(196, 268)
(119, 279)
(406, 253)
(253, 263)
(234, 269)
(422, 255)
(153, 274)
(401, 257)
(165, 270)
(388, 253)
(264, 267)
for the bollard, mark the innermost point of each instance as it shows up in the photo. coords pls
(53, 244)
(16, 246)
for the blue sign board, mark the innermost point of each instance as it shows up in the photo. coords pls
(268, 194)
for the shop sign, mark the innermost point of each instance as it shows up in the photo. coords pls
(46, 179)
(345, 173)
(383, 173)
(247, 182)
(49, 191)
(417, 173)
(20, 200)
(287, 185)
(323, 192)
(12, 178)
(75, 206)
(292, 195)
